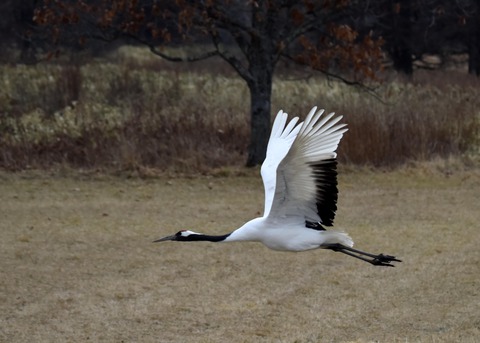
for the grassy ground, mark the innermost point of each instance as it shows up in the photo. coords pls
(77, 262)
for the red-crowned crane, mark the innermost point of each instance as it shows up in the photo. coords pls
(300, 179)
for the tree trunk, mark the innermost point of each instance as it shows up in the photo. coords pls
(260, 106)
(474, 42)
(473, 59)
(261, 52)
(399, 40)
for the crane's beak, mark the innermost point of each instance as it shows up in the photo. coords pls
(167, 238)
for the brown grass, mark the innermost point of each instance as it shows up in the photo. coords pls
(135, 111)
(78, 263)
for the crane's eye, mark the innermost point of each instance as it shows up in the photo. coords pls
(183, 233)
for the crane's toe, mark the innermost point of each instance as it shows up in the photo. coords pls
(384, 260)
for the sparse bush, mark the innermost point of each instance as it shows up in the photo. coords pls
(133, 113)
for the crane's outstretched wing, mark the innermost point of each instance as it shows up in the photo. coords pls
(280, 141)
(306, 177)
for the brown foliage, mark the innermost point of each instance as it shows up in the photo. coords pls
(362, 56)
(339, 48)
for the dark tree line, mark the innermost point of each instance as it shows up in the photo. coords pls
(343, 39)
(414, 28)
(16, 21)
(409, 28)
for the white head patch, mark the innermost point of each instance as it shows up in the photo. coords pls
(186, 233)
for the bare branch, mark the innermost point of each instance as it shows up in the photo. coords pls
(170, 58)
(154, 49)
(359, 85)
(230, 59)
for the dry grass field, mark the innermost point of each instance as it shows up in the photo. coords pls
(78, 265)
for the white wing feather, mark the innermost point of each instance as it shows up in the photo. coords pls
(297, 163)
(279, 144)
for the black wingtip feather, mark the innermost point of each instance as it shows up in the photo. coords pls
(325, 175)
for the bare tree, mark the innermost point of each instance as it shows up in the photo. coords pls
(399, 40)
(250, 35)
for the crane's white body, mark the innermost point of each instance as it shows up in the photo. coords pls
(290, 189)
(287, 234)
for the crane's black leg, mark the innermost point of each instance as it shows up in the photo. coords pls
(376, 260)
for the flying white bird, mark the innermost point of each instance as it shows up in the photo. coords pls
(300, 179)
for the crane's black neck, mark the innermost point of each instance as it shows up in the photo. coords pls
(199, 238)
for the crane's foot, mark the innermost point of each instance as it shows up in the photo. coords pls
(376, 260)
(384, 260)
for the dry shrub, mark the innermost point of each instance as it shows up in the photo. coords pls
(131, 112)
(404, 122)
(419, 127)
(190, 145)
